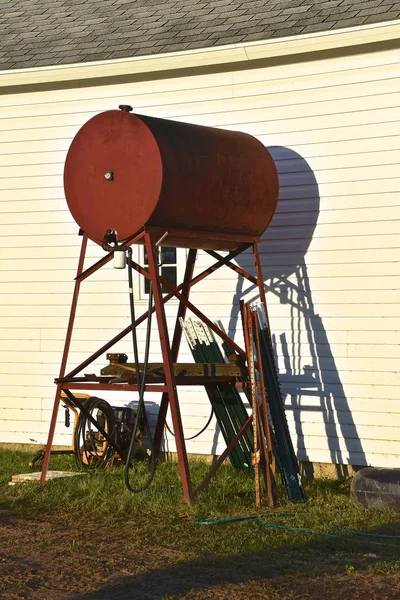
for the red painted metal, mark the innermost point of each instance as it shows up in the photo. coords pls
(115, 387)
(93, 268)
(106, 259)
(247, 323)
(216, 465)
(220, 263)
(165, 299)
(203, 318)
(64, 360)
(260, 280)
(194, 187)
(125, 171)
(234, 267)
(169, 387)
(176, 342)
(150, 243)
(266, 444)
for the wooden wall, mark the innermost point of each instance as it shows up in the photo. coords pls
(330, 257)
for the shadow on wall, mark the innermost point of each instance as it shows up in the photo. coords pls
(310, 379)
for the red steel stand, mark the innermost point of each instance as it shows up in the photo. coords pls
(170, 352)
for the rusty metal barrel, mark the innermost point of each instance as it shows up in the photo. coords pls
(126, 171)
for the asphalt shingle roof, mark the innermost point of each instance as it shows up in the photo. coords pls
(50, 32)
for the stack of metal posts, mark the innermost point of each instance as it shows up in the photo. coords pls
(269, 439)
(225, 399)
(263, 458)
(284, 451)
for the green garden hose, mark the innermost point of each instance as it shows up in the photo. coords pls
(208, 520)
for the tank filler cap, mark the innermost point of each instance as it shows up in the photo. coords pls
(125, 107)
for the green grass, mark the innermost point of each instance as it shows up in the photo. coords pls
(162, 517)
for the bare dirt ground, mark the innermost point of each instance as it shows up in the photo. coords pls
(43, 559)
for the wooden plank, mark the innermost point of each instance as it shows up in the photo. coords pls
(234, 99)
(352, 148)
(28, 348)
(375, 109)
(43, 157)
(347, 83)
(360, 410)
(45, 315)
(333, 377)
(276, 121)
(330, 257)
(29, 390)
(28, 376)
(340, 364)
(60, 214)
(342, 230)
(20, 403)
(101, 299)
(315, 132)
(350, 445)
(57, 252)
(365, 434)
(282, 310)
(37, 170)
(20, 414)
(320, 244)
(43, 134)
(354, 458)
(22, 147)
(287, 163)
(21, 437)
(229, 284)
(256, 108)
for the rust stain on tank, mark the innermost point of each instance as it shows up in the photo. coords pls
(125, 171)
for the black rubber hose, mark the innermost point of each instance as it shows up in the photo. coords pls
(85, 442)
(196, 435)
(141, 382)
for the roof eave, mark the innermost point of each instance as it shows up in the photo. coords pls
(83, 74)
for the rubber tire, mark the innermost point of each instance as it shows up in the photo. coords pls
(376, 488)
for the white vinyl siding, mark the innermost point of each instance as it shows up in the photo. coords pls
(331, 256)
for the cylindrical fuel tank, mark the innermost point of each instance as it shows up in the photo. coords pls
(125, 171)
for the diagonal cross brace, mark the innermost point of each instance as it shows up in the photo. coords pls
(223, 261)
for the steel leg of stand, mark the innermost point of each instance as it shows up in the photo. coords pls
(176, 342)
(67, 344)
(150, 243)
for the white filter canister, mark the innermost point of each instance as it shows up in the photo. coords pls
(119, 259)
